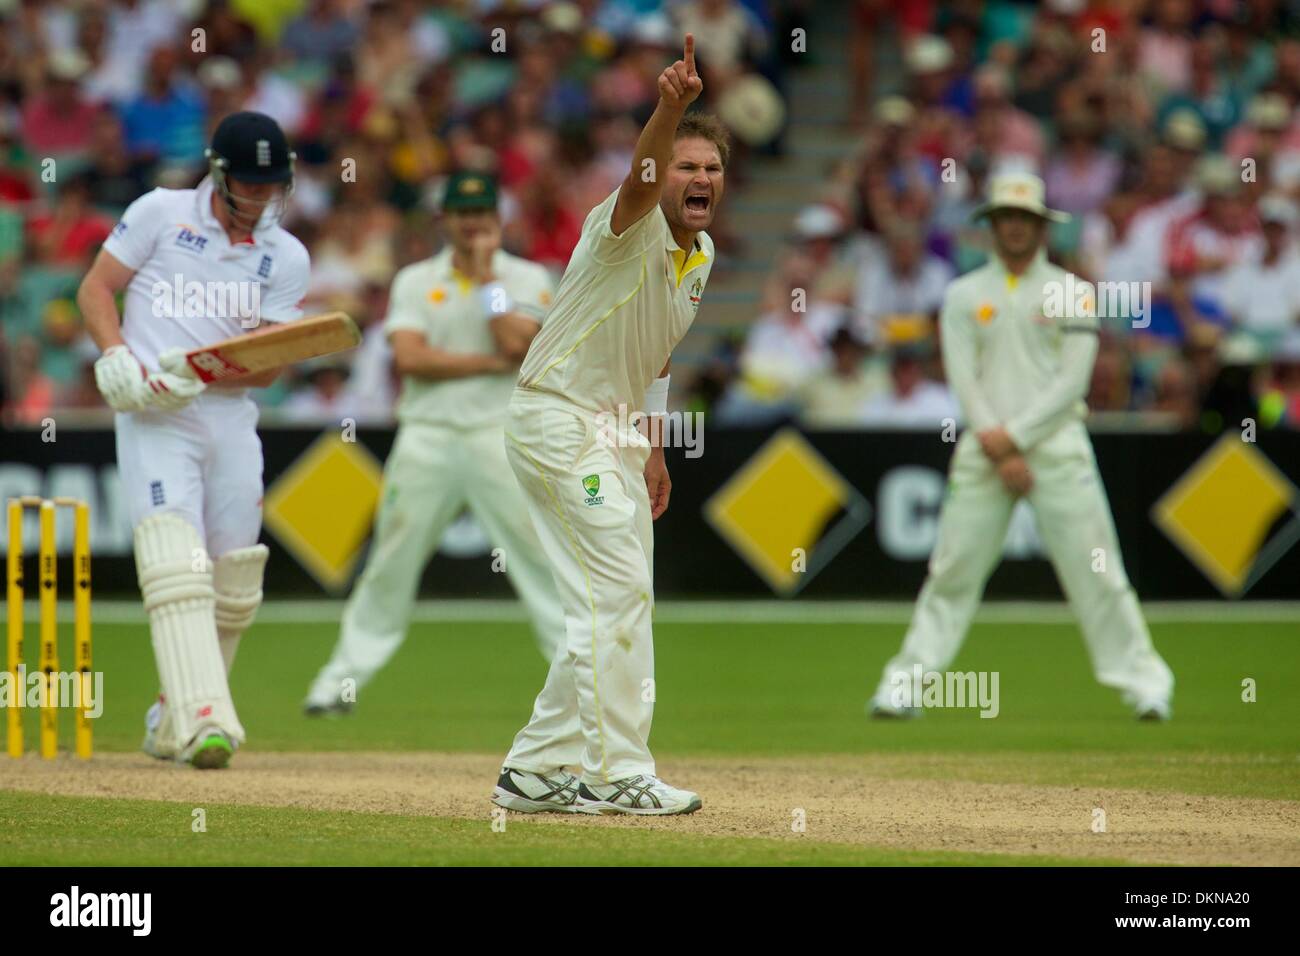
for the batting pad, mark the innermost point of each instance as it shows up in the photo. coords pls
(176, 581)
(237, 577)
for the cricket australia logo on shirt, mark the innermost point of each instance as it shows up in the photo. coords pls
(697, 288)
(591, 485)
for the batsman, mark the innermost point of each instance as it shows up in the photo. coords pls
(1019, 340)
(188, 454)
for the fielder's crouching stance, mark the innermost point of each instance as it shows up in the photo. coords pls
(1019, 340)
(190, 459)
(628, 296)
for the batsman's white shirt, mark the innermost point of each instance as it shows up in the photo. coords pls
(449, 454)
(624, 302)
(192, 287)
(1019, 351)
(173, 241)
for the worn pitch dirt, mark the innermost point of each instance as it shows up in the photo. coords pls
(862, 800)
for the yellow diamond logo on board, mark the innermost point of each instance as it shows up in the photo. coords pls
(1224, 514)
(787, 512)
(322, 507)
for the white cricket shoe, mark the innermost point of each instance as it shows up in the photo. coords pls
(530, 792)
(154, 744)
(641, 795)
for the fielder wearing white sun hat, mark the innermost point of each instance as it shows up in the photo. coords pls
(1019, 191)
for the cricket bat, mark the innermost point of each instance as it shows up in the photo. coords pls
(280, 344)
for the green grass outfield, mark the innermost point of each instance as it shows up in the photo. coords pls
(724, 687)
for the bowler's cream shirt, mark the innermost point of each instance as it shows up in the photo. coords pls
(625, 301)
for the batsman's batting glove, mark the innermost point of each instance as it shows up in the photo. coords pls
(175, 386)
(121, 379)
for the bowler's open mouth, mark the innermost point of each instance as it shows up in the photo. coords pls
(697, 203)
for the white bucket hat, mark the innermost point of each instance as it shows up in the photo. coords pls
(1019, 191)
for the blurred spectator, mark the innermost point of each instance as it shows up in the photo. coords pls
(323, 33)
(1203, 246)
(727, 37)
(31, 392)
(783, 351)
(1262, 292)
(912, 400)
(1263, 140)
(836, 400)
(899, 277)
(1216, 103)
(1082, 175)
(114, 177)
(326, 397)
(57, 121)
(70, 234)
(1007, 134)
(166, 120)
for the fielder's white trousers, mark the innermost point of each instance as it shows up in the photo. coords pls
(1074, 521)
(433, 472)
(596, 706)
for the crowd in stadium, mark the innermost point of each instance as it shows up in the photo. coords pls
(1167, 129)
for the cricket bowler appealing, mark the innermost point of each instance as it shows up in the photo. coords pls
(630, 292)
(459, 324)
(1018, 347)
(189, 456)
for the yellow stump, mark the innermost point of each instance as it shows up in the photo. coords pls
(15, 622)
(49, 662)
(81, 602)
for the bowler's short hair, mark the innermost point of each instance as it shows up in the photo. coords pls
(706, 126)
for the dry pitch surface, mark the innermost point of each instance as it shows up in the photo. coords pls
(877, 801)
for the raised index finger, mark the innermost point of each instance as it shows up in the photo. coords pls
(689, 54)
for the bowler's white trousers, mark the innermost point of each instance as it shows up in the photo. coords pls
(1074, 521)
(433, 472)
(587, 496)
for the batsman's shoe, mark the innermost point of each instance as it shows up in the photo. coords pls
(641, 795)
(211, 750)
(530, 792)
(154, 743)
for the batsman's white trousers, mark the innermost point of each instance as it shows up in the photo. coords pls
(203, 462)
(1074, 521)
(433, 472)
(588, 500)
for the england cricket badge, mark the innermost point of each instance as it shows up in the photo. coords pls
(591, 485)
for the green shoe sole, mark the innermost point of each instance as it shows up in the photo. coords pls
(213, 754)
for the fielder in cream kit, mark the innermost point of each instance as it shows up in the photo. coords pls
(189, 456)
(1019, 340)
(629, 294)
(459, 324)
